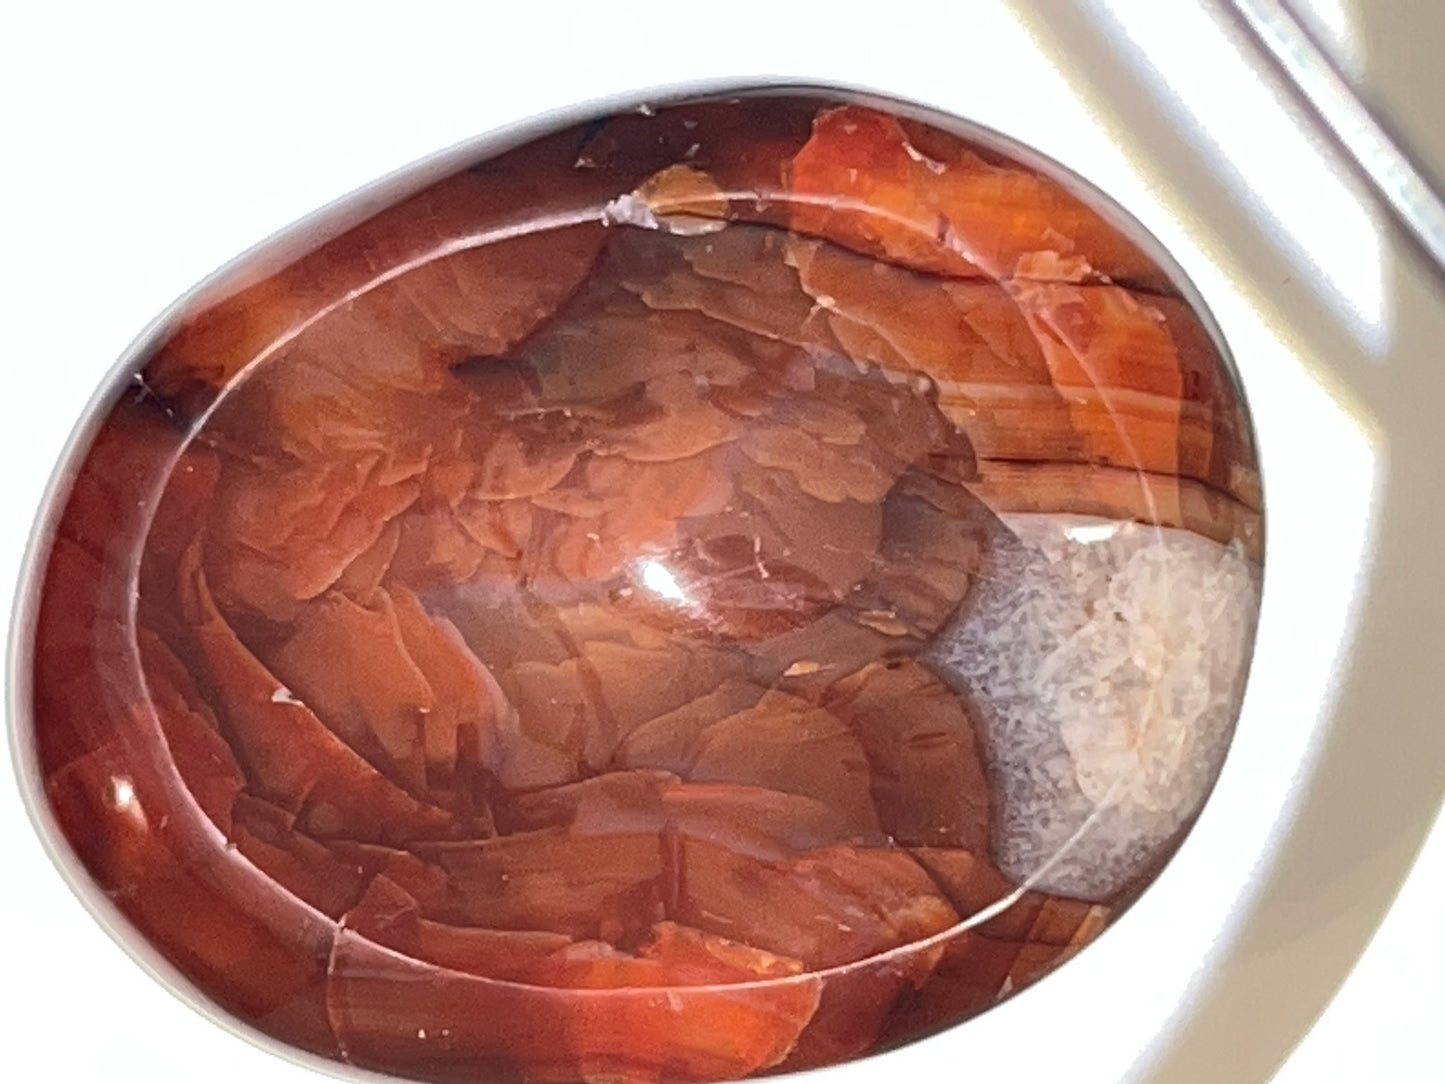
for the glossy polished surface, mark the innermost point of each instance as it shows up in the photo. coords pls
(647, 605)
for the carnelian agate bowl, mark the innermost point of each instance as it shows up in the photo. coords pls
(718, 588)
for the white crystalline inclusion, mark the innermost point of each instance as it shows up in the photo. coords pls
(1106, 661)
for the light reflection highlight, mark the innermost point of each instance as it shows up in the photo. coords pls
(1091, 532)
(657, 579)
(122, 792)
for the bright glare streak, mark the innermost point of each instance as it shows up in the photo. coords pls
(657, 579)
(1334, 23)
(122, 792)
(1091, 532)
(1293, 186)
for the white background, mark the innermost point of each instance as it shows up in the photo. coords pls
(147, 143)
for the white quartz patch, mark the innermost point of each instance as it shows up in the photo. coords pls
(1106, 661)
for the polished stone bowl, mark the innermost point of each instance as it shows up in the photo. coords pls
(724, 586)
